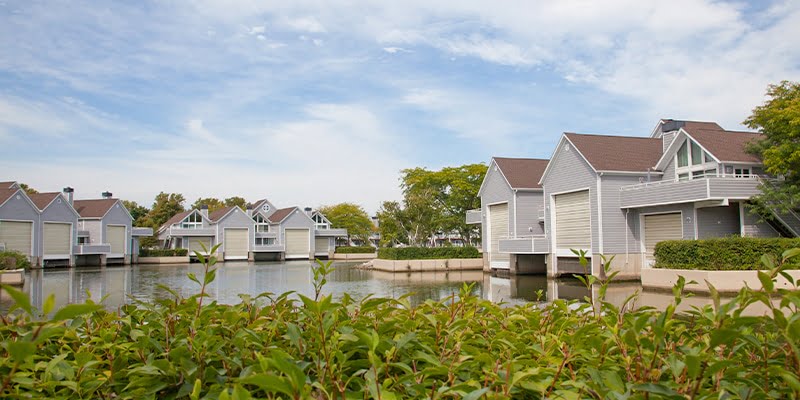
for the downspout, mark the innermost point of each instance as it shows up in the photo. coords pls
(627, 210)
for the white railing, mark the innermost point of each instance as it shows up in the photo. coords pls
(660, 183)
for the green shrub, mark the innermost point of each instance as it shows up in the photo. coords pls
(163, 252)
(22, 260)
(427, 253)
(725, 254)
(355, 250)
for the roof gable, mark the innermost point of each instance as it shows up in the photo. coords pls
(223, 213)
(726, 145)
(9, 185)
(95, 208)
(522, 173)
(177, 218)
(617, 153)
(280, 215)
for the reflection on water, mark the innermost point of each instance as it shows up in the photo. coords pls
(116, 286)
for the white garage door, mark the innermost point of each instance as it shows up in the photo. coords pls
(236, 244)
(573, 224)
(498, 229)
(321, 246)
(297, 241)
(658, 228)
(17, 236)
(116, 238)
(196, 244)
(56, 238)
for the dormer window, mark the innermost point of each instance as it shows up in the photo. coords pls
(193, 221)
(262, 224)
(694, 163)
(321, 222)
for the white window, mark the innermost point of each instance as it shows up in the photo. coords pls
(265, 207)
(694, 163)
(321, 222)
(193, 221)
(262, 225)
(264, 241)
(741, 172)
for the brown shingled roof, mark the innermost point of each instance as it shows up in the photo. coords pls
(726, 145)
(6, 194)
(522, 173)
(618, 153)
(280, 215)
(43, 200)
(6, 185)
(217, 214)
(175, 219)
(95, 208)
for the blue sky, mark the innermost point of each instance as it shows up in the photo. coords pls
(313, 103)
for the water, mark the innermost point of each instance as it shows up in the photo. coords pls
(118, 285)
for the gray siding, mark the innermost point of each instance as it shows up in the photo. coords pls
(619, 236)
(528, 205)
(715, 222)
(235, 219)
(95, 228)
(667, 139)
(118, 216)
(755, 227)
(18, 208)
(568, 171)
(669, 172)
(495, 190)
(686, 210)
(58, 212)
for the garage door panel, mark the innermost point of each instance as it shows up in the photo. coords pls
(321, 245)
(661, 227)
(573, 220)
(196, 244)
(57, 238)
(17, 236)
(236, 241)
(498, 220)
(297, 243)
(116, 238)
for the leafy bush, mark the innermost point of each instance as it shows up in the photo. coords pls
(22, 260)
(427, 253)
(463, 347)
(163, 252)
(726, 254)
(355, 250)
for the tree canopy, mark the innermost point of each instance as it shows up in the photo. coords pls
(351, 217)
(778, 119)
(212, 203)
(28, 190)
(164, 207)
(139, 213)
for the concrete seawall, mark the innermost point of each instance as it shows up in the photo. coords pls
(452, 264)
(164, 260)
(723, 281)
(354, 256)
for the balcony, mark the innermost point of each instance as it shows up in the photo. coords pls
(267, 248)
(142, 231)
(192, 232)
(87, 249)
(525, 245)
(272, 235)
(474, 217)
(688, 191)
(84, 234)
(330, 232)
(540, 215)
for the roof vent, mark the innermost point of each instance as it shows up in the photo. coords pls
(107, 195)
(307, 209)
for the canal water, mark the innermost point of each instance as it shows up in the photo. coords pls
(115, 286)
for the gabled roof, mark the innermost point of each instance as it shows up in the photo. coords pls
(42, 200)
(726, 145)
(6, 194)
(220, 213)
(8, 185)
(96, 208)
(280, 215)
(175, 219)
(522, 173)
(617, 153)
(675, 124)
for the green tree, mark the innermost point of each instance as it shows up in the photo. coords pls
(28, 190)
(778, 119)
(391, 224)
(236, 201)
(139, 213)
(413, 223)
(454, 191)
(212, 203)
(164, 207)
(351, 217)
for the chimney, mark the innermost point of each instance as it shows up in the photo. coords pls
(204, 210)
(308, 210)
(68, 191)
(249, 210)
(107, 195)
(668, 131)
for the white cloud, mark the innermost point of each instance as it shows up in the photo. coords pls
(258, 30)
(494, 51)
(394, 50)
(304, 24)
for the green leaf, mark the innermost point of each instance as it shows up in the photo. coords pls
(791, 380)
(20, 351)
(193, 277)
(269, 383)
(475, 394)
(75, 310)
(766, 281)
(21, 300)
(198, 385)
(657, 389)
(49, 303)
(722, 336)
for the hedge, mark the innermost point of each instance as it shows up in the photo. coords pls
(22, 260)
(355, 250)
(163, 252)
(427, 253)
(725, 254)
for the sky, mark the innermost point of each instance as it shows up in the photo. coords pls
(314, 103)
